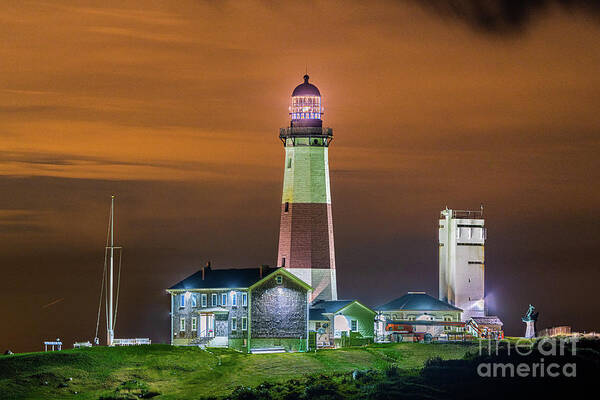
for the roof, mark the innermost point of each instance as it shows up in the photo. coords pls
(223, 278)
(321, 307)
(417, 301)
(306, 89)
(331, 306)
(316, 315)
(233, 278)
(487, 320)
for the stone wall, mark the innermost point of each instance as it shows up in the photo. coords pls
(279, 310)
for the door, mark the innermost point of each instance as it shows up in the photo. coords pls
(207, 325)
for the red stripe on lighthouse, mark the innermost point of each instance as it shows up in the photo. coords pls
(306, 236)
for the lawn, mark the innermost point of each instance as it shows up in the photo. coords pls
(189, 372)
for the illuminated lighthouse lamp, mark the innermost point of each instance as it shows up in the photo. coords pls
(305, 108)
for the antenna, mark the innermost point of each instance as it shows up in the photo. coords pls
(111, 331)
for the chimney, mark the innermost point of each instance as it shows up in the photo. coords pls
(205, 268)
(260, 271)
(264, 269)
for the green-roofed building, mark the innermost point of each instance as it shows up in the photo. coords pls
(415, 315)
(332, 320)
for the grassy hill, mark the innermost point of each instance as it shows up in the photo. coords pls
(189, 373)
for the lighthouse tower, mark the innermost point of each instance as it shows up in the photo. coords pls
(306, 231)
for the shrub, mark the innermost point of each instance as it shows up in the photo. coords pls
(391, 370)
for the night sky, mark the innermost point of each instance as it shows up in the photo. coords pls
(175, 107)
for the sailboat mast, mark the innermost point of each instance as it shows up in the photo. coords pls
(111, 332)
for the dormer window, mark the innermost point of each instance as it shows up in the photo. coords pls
(279, 279)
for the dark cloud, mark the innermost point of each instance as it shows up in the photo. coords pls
(505, 16)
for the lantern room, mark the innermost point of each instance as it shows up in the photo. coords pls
(306, 108)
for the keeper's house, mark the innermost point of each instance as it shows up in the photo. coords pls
(246, 309)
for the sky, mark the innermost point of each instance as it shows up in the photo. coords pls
(175, 108)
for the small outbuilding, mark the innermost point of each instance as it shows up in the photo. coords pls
(488, 327)
(340, 323)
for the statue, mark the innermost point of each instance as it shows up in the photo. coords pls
(530, 319)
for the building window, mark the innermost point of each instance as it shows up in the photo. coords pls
(244, 299)
(182, 300)
(223, 299)
(194, 324)
(244, 323)
(234, 324)
(182, 324)
(204, 300)
(447, 319)
(279, 279)
(283, 261)
(234, 299)
(214, 299)
(289, 162)
(287, 206)
(194, 301)
(354, 325)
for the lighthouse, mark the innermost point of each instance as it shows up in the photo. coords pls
(306, 246)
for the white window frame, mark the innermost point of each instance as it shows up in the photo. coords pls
(203, 300)
(233, 323)
(244, 323)
(244, 299)
(447, 319)
(355, 329)
(182, 324)
(194, 324)
(234, 299)
(224, 299)
(194, 300)
(214, 299)
(182, 300)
